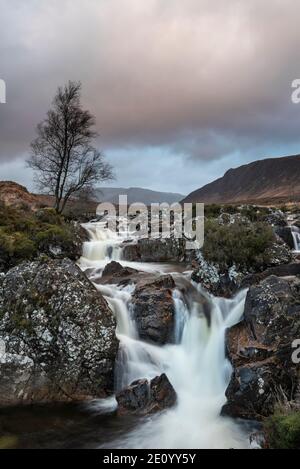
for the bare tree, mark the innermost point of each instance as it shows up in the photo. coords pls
(63, 156)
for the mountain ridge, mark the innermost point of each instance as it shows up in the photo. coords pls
(270, 179)
(136, 194)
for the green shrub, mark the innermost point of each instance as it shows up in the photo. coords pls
(239, 244)
(253, 213)
(8, 216)
(15, 247)
(212, 211)
(49, 216)
(283, 430)
(22, 247)
(53, 235)
(24, 235)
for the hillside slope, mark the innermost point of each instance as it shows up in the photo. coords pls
(136, 194)
(273, 179)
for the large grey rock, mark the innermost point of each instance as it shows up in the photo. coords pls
(57, 335)
(261, 350)
(155, 250)
(154, 311)
(223, 283)
(147, 397)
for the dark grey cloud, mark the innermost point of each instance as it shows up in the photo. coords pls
(201, 80)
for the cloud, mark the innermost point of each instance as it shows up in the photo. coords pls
(199, 79)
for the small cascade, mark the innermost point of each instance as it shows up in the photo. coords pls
(296, 237)
(103, 245)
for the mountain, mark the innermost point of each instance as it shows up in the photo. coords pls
(136, 194)
(263, 181)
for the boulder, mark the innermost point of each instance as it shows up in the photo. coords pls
(131, 252)
(147, 397)
(276, 218)
(162, 393)
(223, 283)
(134, 398)
(154, 311)
(155, 250)
(260, 349)
(278, 254)
(285, 270)
(115, 269)
(57, 335)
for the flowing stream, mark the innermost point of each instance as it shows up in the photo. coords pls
(296, 237)
(195, 363)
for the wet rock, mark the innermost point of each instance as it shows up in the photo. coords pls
(155, 250)
(154, 311)
(163, 394)
(276, 218)
(115, 269)
(135, 397)
(285, 270)
(219, 283)
(57, 335)
(260, 349)
(131, 252)
(285, 233)
(231, 218)
(278, 254)
(147, 397)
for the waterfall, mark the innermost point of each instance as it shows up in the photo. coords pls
(195, 363)
(104, 245)
(296, 237)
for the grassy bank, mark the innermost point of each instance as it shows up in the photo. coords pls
(24, 235)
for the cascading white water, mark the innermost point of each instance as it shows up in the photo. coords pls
(296, 237)
(195, 364)
(103, 245)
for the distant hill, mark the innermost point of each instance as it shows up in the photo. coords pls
(135, 194)
(14, 194)
(269, 180)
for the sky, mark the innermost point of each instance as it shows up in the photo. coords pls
(181, 90)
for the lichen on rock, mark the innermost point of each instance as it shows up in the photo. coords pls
(260, 349)
(56, 331)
